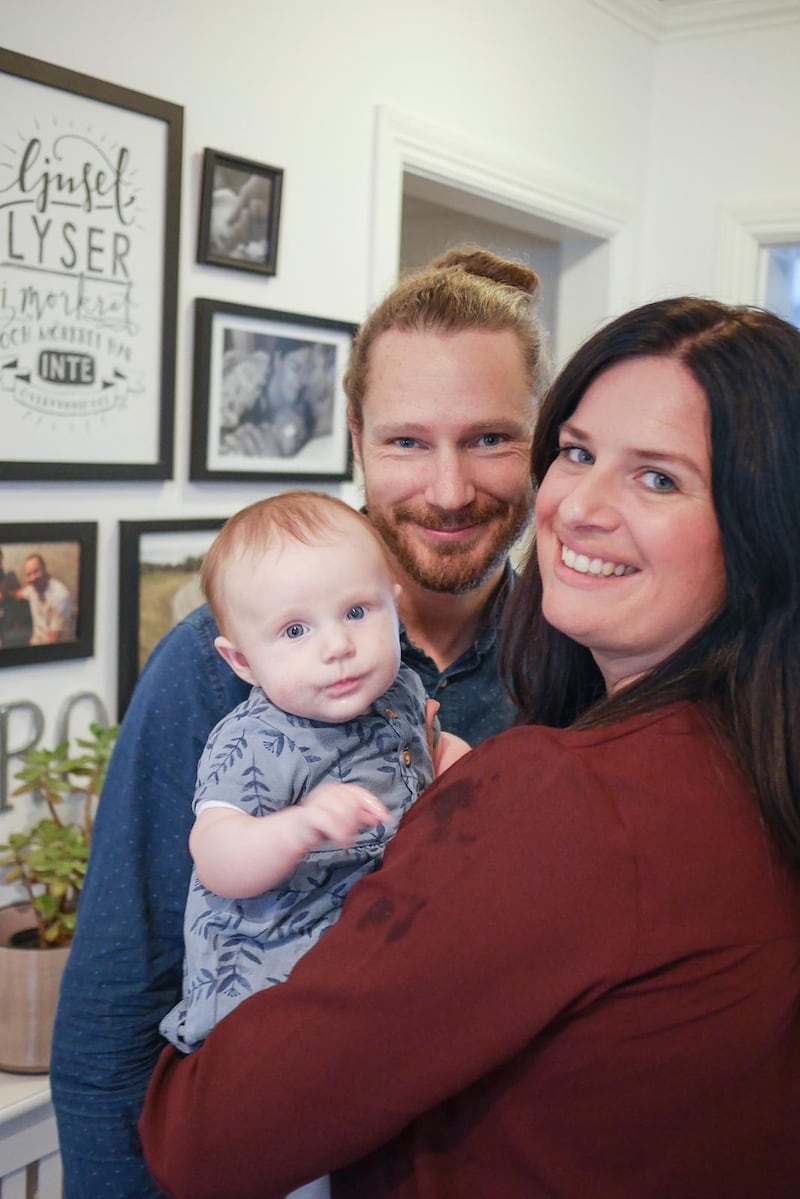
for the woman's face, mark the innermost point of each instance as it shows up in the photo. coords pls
(627, 538)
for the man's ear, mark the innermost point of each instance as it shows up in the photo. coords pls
(235, 659)
(355, 434)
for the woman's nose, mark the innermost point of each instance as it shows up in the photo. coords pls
(590, 501)
(449, 484)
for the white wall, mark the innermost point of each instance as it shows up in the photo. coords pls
(725, 142)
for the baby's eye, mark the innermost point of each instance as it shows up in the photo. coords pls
(657, 481)
(294, 631)
(357, 612)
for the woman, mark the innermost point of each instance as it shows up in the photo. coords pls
(578, 971)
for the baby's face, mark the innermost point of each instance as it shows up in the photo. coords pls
(316, 625)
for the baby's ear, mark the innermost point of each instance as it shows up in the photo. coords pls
(235, 659)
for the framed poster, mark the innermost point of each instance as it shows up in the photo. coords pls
(240, 210)
(47, 586)
(90, 178)
(268, 398)
(159, 584)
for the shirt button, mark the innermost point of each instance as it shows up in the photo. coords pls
(443, 684)
(407, 757)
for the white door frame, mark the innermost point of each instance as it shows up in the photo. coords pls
(744, 231)
(595, 230)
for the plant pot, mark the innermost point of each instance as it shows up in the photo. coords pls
(29, 982)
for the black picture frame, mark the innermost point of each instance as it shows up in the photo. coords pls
(90, 185)
(240, 212)
(68, 552)
(268, 398)
(150, 605)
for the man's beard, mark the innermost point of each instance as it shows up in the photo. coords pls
(460, 566)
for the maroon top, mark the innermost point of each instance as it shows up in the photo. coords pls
(577, 974)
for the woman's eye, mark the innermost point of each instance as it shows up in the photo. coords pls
(576, 453)
(294, 631)
(357, 612)
(657, 481)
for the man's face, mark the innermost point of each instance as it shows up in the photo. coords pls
(35, 574)
(445, 450)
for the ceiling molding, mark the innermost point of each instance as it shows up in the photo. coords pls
(663, 20)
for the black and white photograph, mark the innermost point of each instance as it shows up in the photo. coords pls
(90, 180)
(47, 585)
(240, 210)
(268, 395)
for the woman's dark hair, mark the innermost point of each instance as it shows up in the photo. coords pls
(743, 668)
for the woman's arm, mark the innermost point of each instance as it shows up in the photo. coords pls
(455, 954)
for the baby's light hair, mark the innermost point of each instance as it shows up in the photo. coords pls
(305, 516)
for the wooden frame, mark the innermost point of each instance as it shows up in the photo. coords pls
(58, 563)
(268, 397)
(240, 212)
(90, 181)
(159, 561)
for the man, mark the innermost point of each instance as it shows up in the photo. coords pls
(441, 386)
(50, 603)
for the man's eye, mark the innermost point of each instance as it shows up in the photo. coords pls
(357, 612)
(405, 443)
(489, 440)
(294, 631)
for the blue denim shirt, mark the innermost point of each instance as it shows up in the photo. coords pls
(123, 973)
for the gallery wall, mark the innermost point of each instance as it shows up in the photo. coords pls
(669, 132)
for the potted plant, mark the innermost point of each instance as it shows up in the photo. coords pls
(49, 861)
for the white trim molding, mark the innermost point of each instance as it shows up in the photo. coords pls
(408, 144)
(743, 231)
(663, 20)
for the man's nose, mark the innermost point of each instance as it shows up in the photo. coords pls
(449, 484)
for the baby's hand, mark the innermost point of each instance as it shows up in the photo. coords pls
(338, 812)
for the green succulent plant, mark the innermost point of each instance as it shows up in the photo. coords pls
(50, 858)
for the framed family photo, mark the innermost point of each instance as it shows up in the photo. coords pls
(159, 584)
(90, 178)
(268, 398)
(47, 590)
(240, 212)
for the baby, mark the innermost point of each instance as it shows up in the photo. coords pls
(301, 787)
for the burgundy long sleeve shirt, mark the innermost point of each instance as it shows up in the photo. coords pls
(576, 974)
